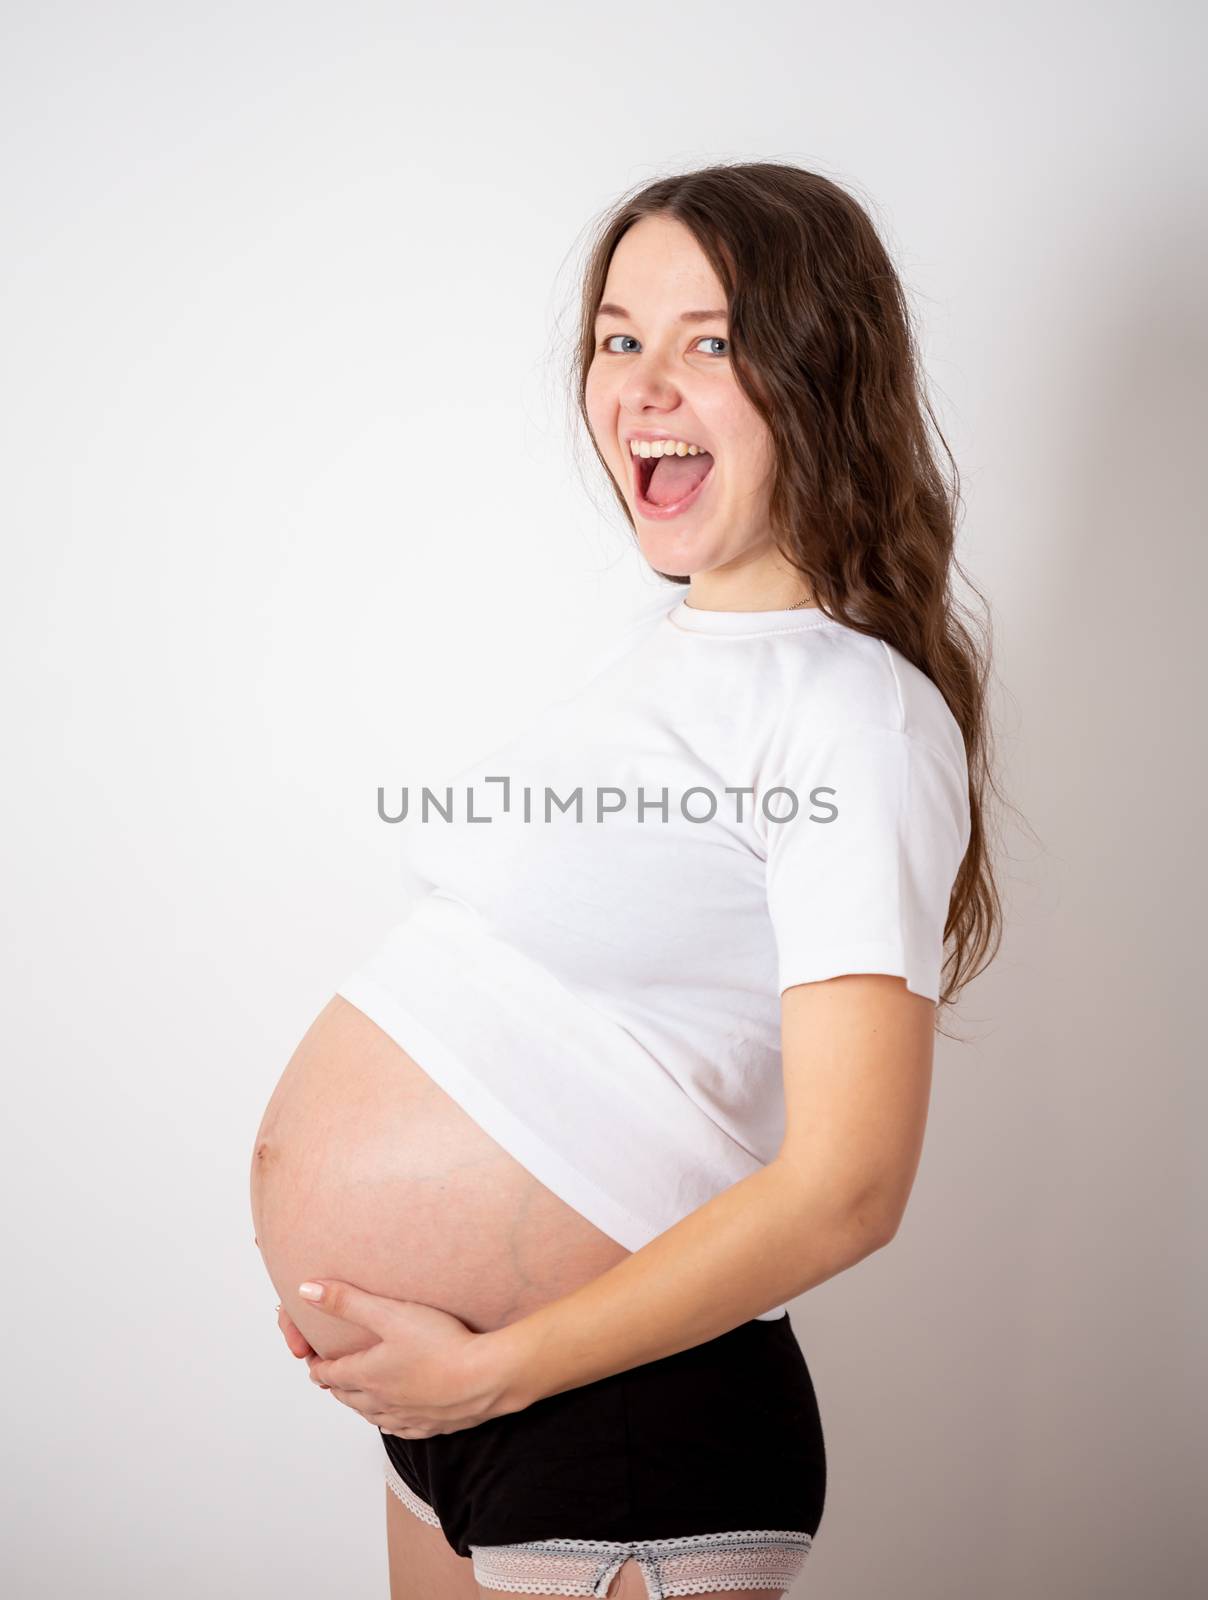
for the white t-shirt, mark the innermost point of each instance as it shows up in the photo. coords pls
(597, 981)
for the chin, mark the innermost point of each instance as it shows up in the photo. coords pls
(677, 553)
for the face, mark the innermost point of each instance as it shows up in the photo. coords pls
(658, 374)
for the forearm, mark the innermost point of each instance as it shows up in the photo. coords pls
(756, 1245)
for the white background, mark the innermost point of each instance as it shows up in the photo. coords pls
(291, 509)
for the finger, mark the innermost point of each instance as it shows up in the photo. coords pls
(336, 1388)
(344, 1372)
(350, 1304)
(310, 1360)
(357, 1400)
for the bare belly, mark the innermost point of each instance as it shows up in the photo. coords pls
(365, 1170)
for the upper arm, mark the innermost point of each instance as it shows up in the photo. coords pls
(859, 879)
(859, 883)
(857, 1054)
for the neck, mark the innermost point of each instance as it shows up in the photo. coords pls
(713, 596)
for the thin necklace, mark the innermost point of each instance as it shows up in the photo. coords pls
(796, 606)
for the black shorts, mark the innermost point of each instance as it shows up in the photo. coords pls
(706, 1462)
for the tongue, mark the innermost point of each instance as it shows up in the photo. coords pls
(675, 476)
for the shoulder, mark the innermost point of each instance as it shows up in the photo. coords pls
(651, 609)
(642, 619)
(842, 683)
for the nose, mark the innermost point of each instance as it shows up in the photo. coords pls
(648, 385)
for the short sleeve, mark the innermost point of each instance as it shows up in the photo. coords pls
(860, 878)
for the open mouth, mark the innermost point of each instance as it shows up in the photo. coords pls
(675, 482)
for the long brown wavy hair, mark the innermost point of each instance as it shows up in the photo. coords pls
(823, 346)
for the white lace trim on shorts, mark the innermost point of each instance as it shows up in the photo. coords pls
(408, 1496)
(700, 1563)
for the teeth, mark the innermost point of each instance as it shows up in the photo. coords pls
(664, 447)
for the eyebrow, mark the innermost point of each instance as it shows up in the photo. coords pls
(609, 310)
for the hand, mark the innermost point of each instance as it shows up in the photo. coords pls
(427, 1374)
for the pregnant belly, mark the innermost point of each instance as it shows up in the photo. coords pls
(365, 1170)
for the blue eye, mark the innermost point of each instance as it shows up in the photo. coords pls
(709, 338)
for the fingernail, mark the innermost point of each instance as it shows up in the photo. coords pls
(311, 1291)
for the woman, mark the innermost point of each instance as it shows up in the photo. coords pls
(672, 1011)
